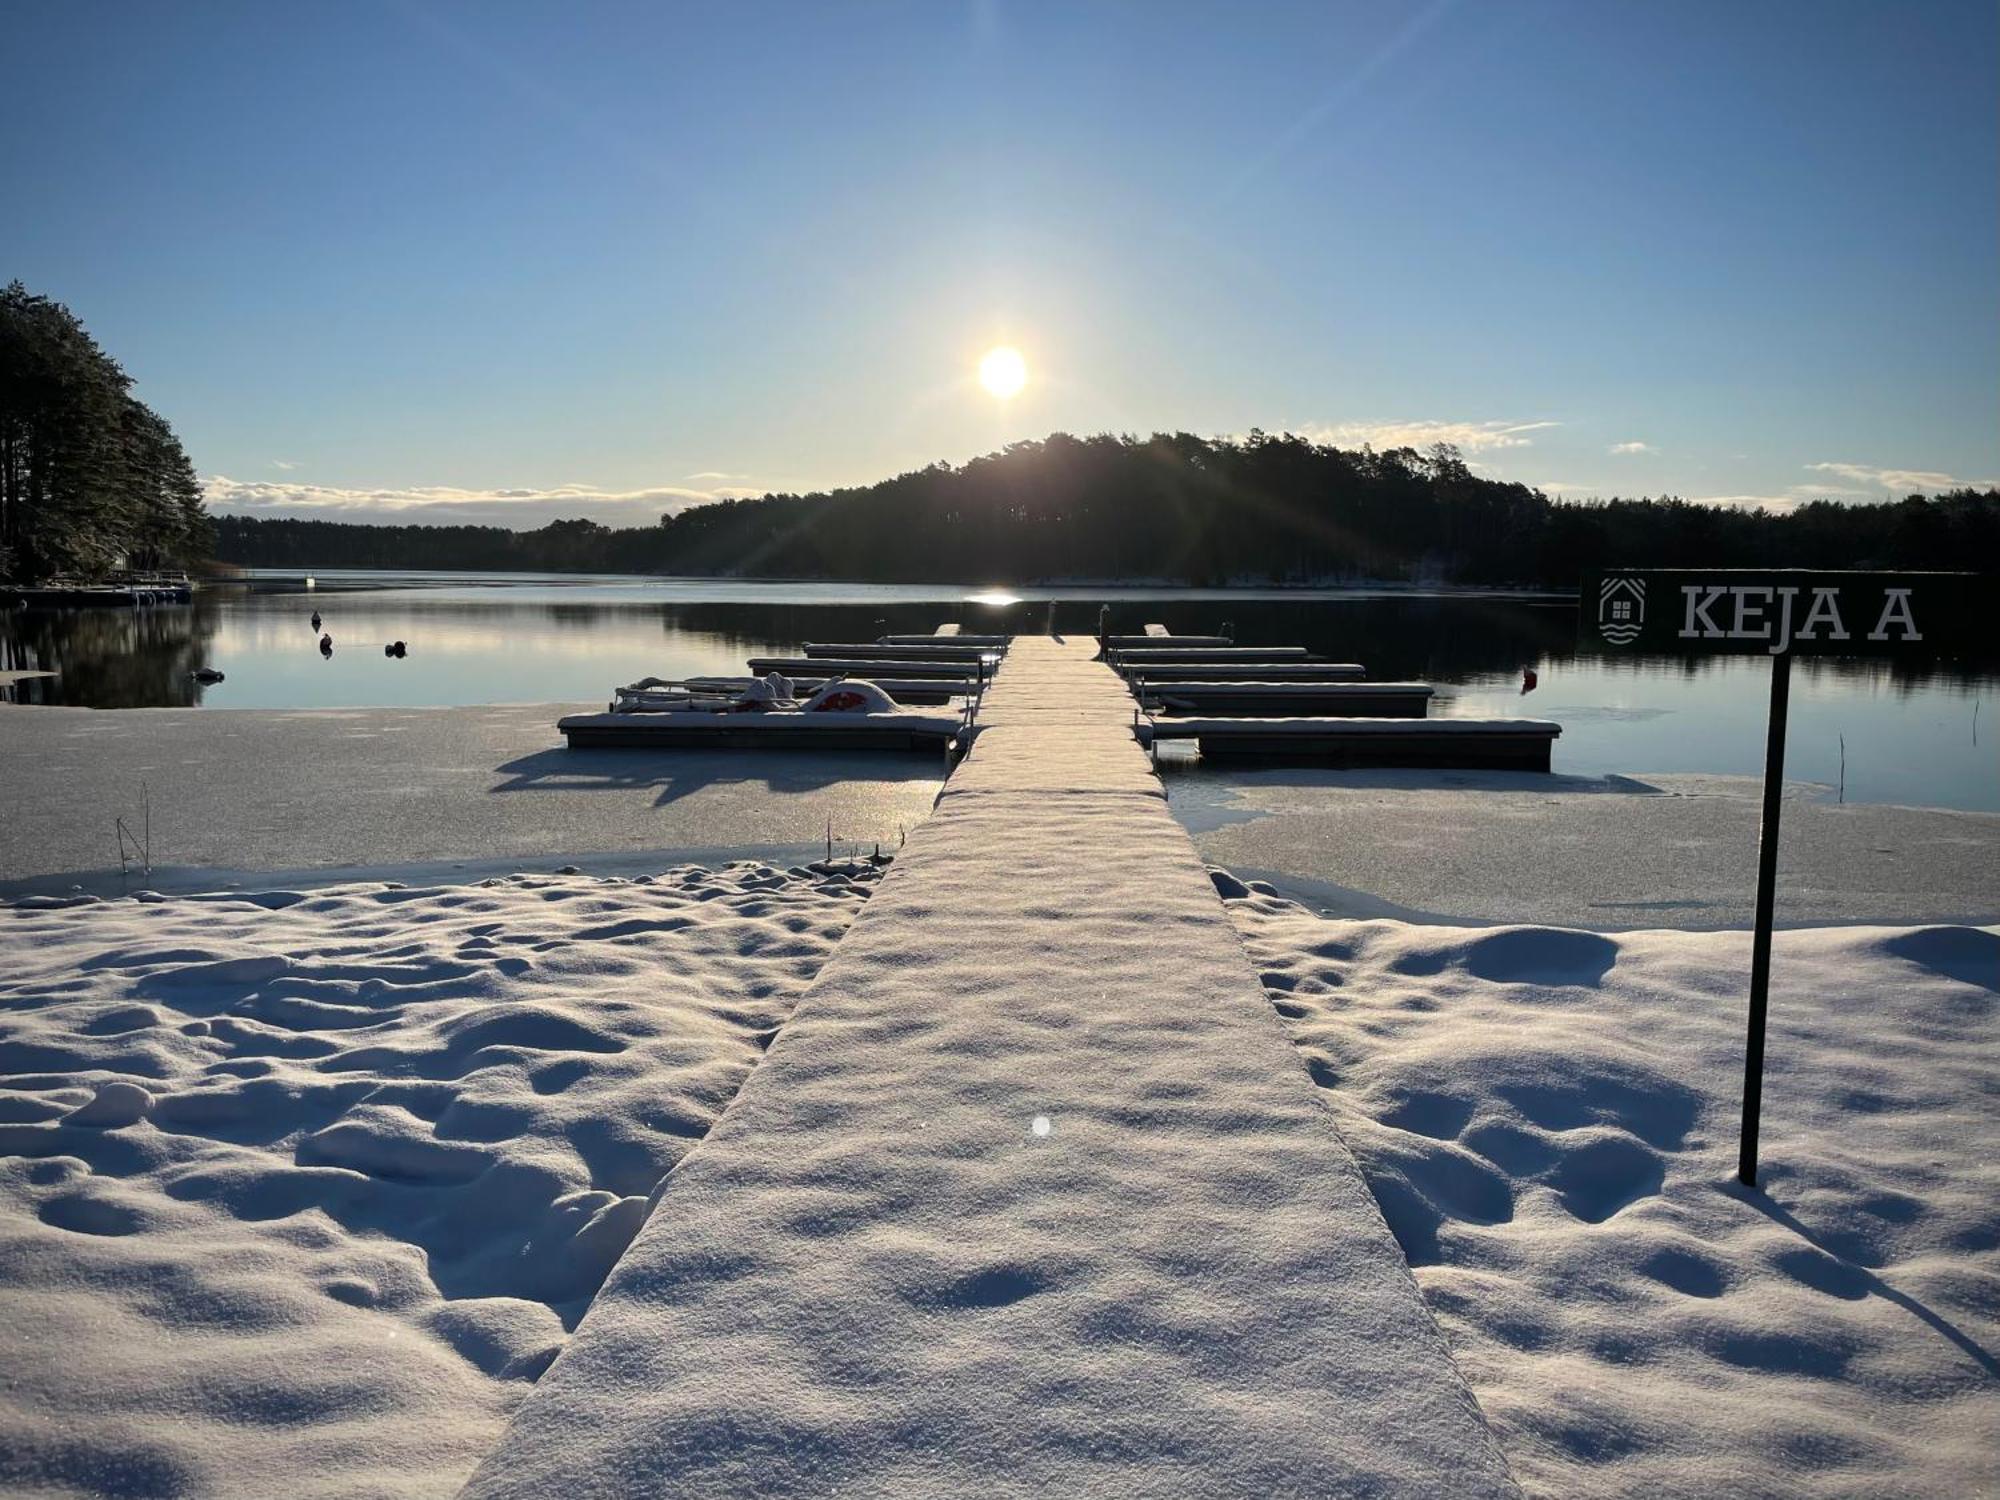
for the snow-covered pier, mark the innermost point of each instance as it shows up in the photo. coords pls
(1390, 700)
(1030, 1197)
(1459, 744)
(824, 666)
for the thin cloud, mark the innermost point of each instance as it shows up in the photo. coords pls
(1635, 446)
(1748, 502)
(715, 474)
(283, 463)
(1866, 483)
(444, 505)
(1470, 437)
(1899, 481)
(1794, 496)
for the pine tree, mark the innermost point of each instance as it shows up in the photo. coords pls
(90, 478)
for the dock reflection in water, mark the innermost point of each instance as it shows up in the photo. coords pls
(1911, 734)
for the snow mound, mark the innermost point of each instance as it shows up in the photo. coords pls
(1549, 1119)
(298, 1192)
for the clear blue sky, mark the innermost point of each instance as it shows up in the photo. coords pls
(364, 253)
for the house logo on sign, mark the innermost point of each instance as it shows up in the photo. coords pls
(1621, 609)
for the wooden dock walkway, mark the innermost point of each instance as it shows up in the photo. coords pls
(1031, 1197)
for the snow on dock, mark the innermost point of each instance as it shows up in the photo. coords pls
(903, 729)
(1473, 744)
(1155, 642)
(1403, 700)
(825, 666)
(904, 690)
(1031, 1197)
(1285, 671)
(969, 651)
(909, 729)
(946, 635)
(1194, 656)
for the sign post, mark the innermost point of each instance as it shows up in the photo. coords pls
(1760, 932)
(1779, 615)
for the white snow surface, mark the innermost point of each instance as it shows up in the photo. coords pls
(300, 1192)
(775, 724)
(1549, 1120)
(347, 793)
(1333, 724)
(1030, 1198)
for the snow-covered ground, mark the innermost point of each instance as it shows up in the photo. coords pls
(1603, 852)
(336, 793)
(299, 1192)
(1548, 1118)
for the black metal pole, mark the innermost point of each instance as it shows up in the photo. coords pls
(1760, 937)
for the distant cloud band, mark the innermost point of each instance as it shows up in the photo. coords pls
(1898, 481)
(446, 505)
(1470, 437)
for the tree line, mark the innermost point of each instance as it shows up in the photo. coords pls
(1179, 509)
(91, 478)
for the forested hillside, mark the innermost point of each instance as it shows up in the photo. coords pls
(1178, 508)
(91, 479)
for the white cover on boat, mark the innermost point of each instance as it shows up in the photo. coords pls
(769, 691)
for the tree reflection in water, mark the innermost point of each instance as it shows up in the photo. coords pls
(109, 658)
(502, 647)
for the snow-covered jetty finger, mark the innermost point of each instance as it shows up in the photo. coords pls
(889, 729)
(1490, 744)
(1031, 1197)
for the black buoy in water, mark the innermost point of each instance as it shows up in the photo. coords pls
(326, 645)
(316, 620)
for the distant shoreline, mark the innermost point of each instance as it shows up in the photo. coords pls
(353, 579)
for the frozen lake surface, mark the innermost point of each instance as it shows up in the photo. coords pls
(1873, 733)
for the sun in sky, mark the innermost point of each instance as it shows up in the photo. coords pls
(1003, 372)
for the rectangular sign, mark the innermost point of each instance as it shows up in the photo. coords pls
(1759, 612)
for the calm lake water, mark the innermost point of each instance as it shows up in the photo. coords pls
(1925, 738)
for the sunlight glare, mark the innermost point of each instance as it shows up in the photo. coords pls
(1003, 372)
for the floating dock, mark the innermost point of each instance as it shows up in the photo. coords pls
(945, 635)
(1030, 1197)
(1155, 642)
(1469, 744)
(817, 666)
(1194, 656)
(1285, 671)
(908, 690)
(697, 730)
(1371, 700)
(897, 651)
(98, 596)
